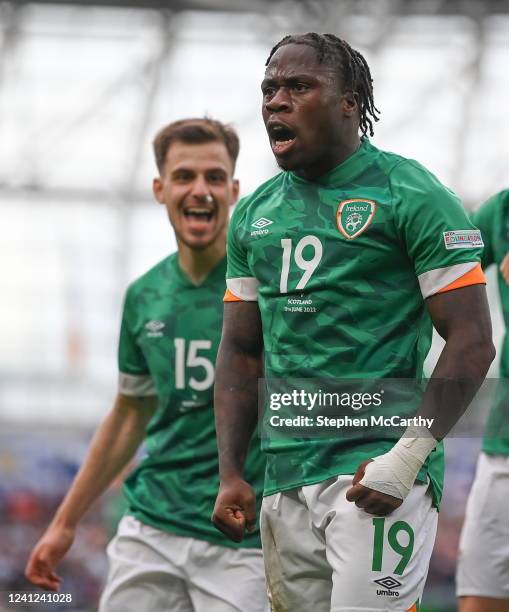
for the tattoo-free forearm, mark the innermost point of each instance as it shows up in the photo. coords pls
(462, 318)
(112, 447)
(238, 368)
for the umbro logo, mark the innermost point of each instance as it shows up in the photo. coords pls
(261, 227)
(155, 329)
(389, 584)
(262, 222)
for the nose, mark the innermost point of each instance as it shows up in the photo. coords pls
(280, 102)
(200, 189)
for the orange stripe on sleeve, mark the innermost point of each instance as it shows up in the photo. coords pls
(231, 297)
(474, 277)
(413, 608)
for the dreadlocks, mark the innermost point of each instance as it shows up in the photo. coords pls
(351, 66)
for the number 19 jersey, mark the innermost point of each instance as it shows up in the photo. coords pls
(340, 267)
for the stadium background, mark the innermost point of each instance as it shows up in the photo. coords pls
(83, 88)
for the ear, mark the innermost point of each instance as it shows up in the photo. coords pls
(349, 104)
(235, 191)
(157, 188)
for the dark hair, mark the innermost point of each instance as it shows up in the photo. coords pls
(351, 66)
(195, 131)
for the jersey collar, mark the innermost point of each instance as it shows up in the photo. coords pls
(218, 271)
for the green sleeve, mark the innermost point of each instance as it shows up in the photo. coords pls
(130, 356)
(432, 223)
(238, 265)
(486, 218)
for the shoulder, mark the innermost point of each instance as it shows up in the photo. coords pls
(266, 189)
(404, 176)
(403, 170)
(411, 183)
(497, 201)
(387, 161)
(261, 195)
(412, 174)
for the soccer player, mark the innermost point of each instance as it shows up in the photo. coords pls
(166, 554)
(483, 566)
(337, 268)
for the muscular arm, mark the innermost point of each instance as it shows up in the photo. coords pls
(113, 446)
(238, 368)
(462, 318)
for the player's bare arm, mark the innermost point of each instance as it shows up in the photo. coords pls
(238, 368)
(462, 319)
(113, 446)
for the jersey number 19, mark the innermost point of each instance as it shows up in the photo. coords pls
(307, 265)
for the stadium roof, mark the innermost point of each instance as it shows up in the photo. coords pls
(402, 7)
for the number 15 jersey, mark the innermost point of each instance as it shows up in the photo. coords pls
(168, 345)
(340, 267)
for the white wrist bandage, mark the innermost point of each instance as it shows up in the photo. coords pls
(394, 472)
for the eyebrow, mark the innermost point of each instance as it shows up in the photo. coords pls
(193, 170)
(294, 78)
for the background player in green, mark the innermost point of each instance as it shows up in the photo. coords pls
(337, 268)
(167, 555)
(483, 565)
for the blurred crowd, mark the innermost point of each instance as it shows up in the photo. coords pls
(36, 469)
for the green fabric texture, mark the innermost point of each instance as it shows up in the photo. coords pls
(338, 305)
(492, 218)
(171, 331)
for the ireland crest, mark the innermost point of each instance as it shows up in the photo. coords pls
(354, 216)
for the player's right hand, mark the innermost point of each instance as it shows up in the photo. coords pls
(235, 509)
(45, 556)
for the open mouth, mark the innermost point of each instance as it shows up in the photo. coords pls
(198, 213)
(281, 138)
(199, 218)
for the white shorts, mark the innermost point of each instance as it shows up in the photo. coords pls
(483, 564)
(152, 570)
(323, 554)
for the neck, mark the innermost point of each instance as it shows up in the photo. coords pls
(341, 153)
(197, 264)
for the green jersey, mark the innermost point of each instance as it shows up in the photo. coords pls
(492, 218)
(340, 267)
(168, 344)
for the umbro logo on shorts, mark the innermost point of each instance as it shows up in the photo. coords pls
(389, 583)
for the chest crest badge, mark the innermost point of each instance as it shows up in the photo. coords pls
(354, 216)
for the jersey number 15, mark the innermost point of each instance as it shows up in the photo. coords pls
(193, 361)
